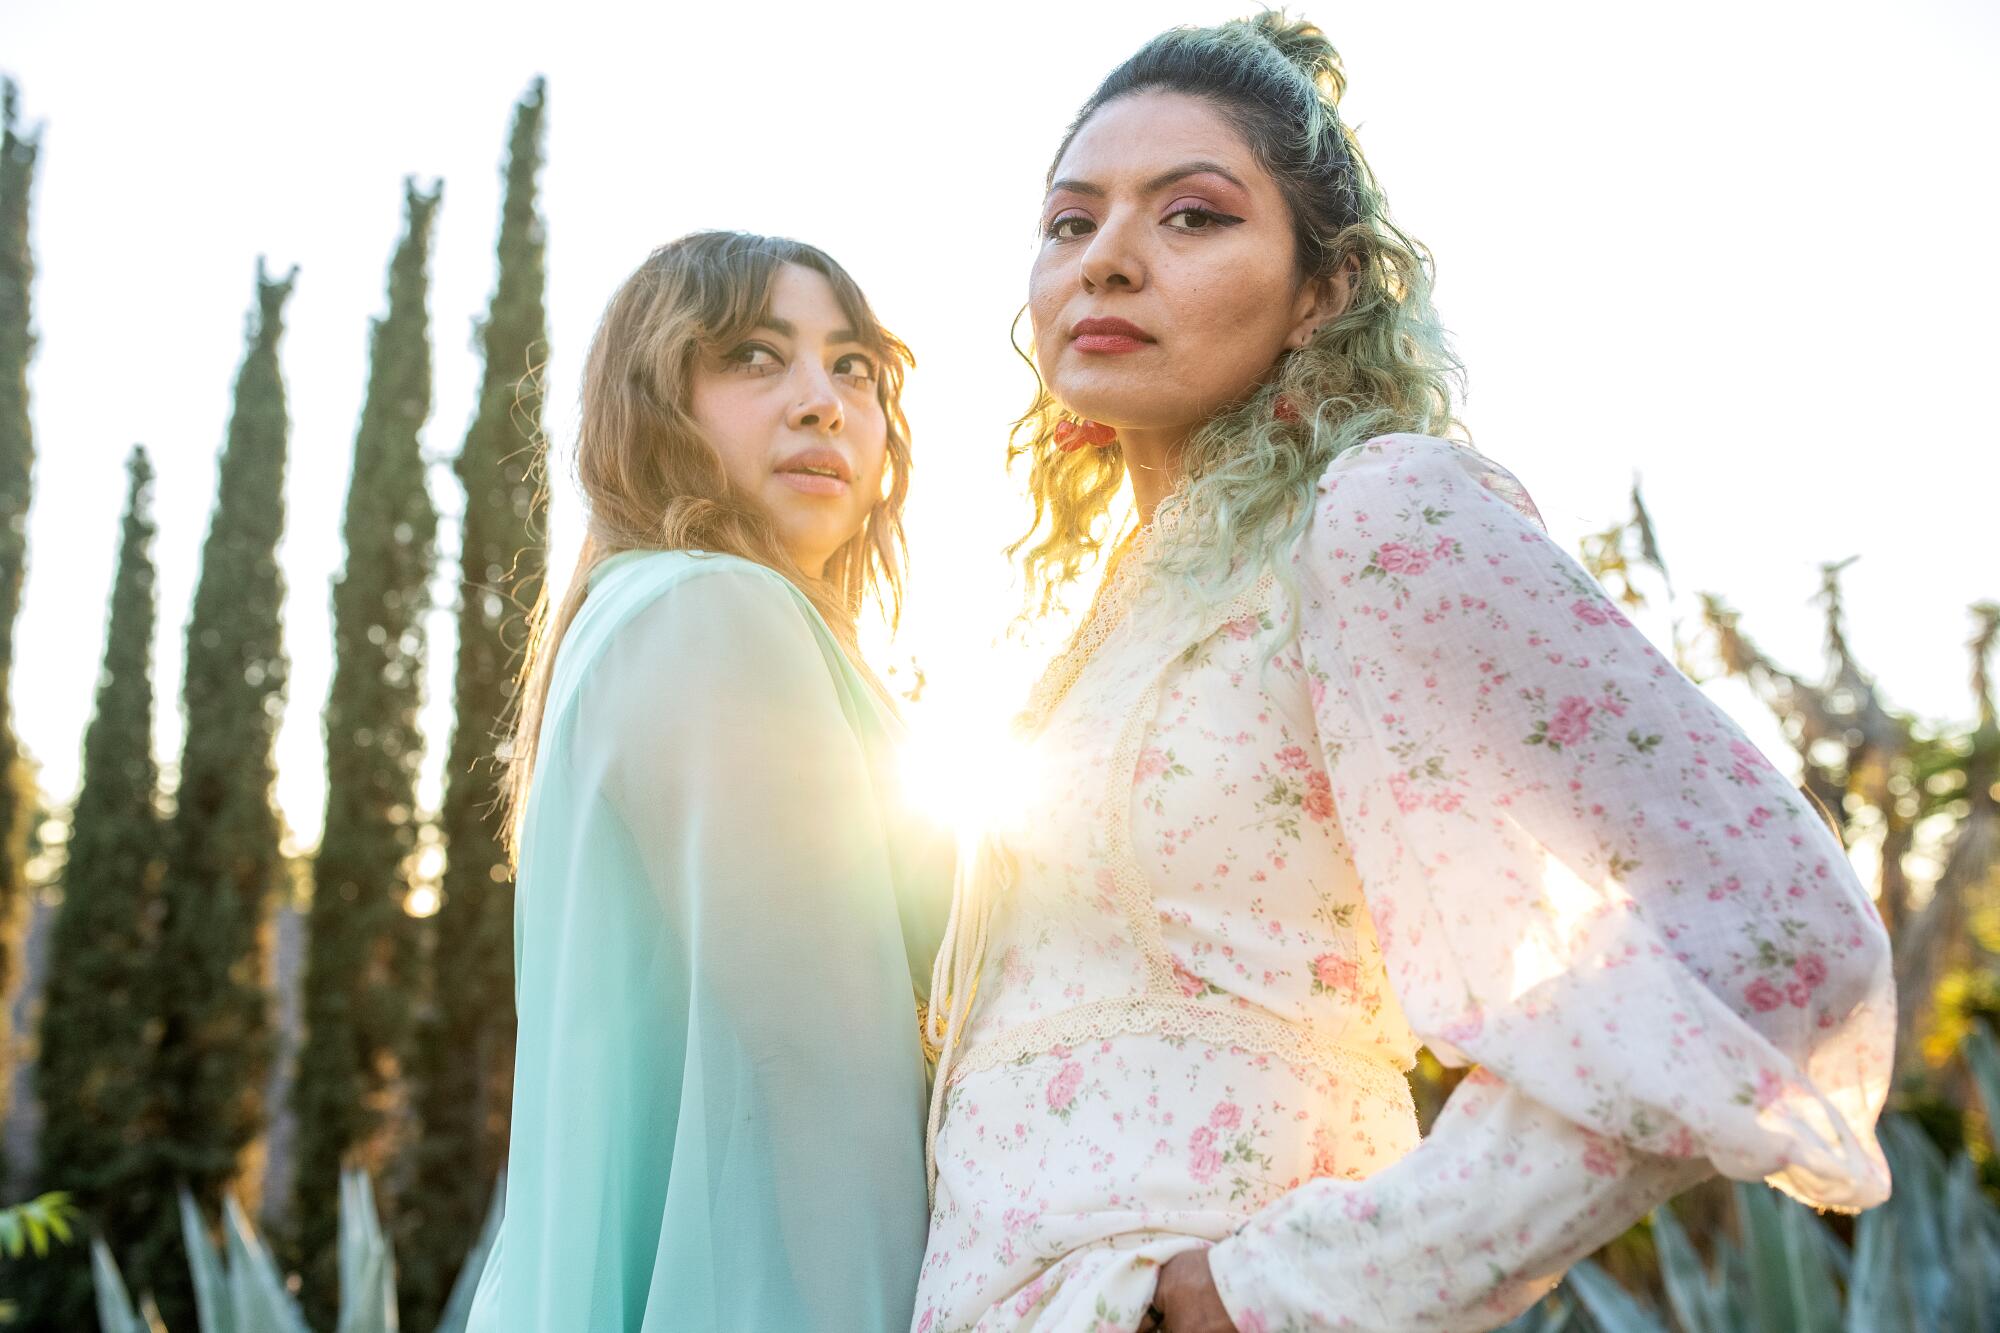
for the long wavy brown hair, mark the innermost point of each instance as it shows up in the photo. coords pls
(650, 480)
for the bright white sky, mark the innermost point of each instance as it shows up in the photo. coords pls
(1744, 248)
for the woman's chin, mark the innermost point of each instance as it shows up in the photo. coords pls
(811, 544)
(1123, 406)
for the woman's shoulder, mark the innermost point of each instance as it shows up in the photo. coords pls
(650, 573)
(696, 587)
(724, 603)
(707, 613)
(1395, 513)
(1421, 469)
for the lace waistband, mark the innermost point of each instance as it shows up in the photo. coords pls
(1376, 1072)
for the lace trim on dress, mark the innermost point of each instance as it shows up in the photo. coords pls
(1107, 611)
(982, 877)
(982, 869)
(1378, 1074)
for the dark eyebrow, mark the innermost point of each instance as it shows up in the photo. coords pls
(1182, 172)
(1159, 182)
(789, 330)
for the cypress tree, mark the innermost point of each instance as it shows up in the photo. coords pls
(92, 1031)
(206, 982)
(17, 465)
(466, 1045)
(360, 960)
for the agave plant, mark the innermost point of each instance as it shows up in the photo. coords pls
(1927, 1261)
(458, 1306)
(115, 1313)
(239, 1289)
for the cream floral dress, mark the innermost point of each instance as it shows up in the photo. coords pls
(1467, 805)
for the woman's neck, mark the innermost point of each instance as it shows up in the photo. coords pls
(1153, 461)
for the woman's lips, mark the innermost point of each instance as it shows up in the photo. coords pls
(1108, 335)
(818, 470)
(814, 483)
(1109, 342)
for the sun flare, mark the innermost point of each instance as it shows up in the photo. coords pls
(968, 774)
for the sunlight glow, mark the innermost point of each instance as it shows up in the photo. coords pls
(1548, 951)
(427, 868)
(968, 773)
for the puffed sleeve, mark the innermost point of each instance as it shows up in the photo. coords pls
(719, 1102)
(1587, 883)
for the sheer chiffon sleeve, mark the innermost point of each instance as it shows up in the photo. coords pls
(718, 1115)
(1586, 882)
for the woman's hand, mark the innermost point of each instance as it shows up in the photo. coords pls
(1186, 1297)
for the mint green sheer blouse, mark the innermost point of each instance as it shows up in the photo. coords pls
(724, 919)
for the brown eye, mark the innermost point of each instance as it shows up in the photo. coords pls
(1200, 219)
(750, 356)
(1069, 226)
(856, 367)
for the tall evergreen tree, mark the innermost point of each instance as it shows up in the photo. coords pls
(466, 1048)
(206, 982)
(92, 1030)
(17, 466)
(360, 958)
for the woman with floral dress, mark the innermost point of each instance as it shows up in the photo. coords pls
(1347, 758)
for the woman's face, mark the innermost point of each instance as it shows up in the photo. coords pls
(792, 412)
(1166, 285)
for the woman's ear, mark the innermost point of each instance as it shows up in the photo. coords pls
(1324, 299)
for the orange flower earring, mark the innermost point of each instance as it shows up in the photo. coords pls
(1073, 434)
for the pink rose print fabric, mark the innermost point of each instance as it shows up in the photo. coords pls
(1465, 805)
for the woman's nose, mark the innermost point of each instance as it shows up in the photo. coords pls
(1110, 260)
(815, 406)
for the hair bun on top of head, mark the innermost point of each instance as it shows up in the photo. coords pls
(1302, 43)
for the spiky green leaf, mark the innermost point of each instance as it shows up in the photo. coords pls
(458, 1309)
(1610, 1306)
(211, 1281)
(114, 1305)
(257, 1292)
(1681, 1272)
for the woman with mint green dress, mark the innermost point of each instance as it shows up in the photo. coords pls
(722, 909)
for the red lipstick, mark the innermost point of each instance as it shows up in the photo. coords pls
(1108, 335)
